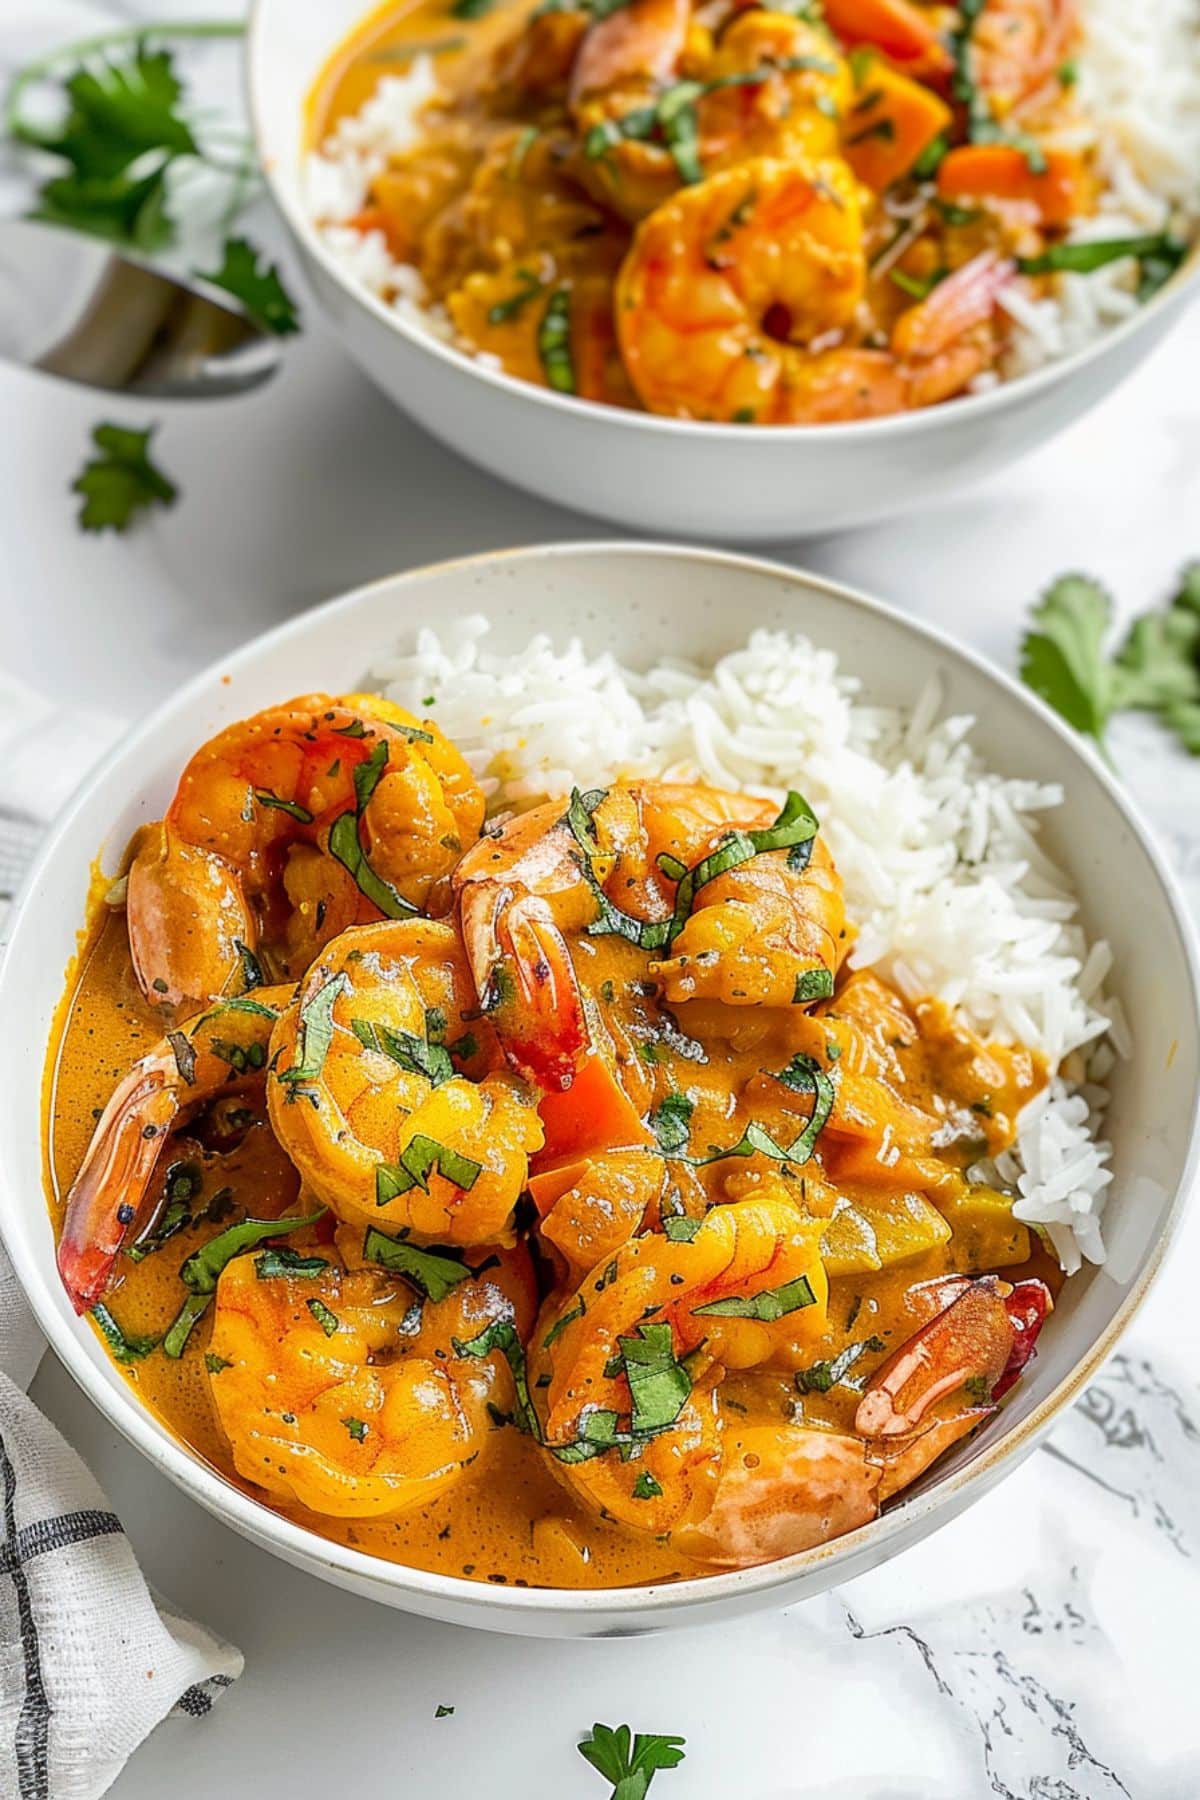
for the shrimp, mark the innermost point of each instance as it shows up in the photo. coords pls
(1017, 46)
(219, 1053)
(286, 828)
(786, 1488)
(685, 869)
(365, 1095)
(634, 1353)
(657, 104)
(733, 293)
(332, 1400)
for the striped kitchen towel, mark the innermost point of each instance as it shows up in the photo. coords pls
(90, 1662)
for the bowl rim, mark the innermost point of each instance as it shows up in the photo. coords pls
(260, 1522)
(1181, 286)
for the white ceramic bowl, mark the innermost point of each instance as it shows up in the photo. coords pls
(641, 601)
(661, 475)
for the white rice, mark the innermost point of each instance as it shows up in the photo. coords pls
(944, 875)
(1139, 89)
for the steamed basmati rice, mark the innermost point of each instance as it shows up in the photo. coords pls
(940, 857)
(1139, 88)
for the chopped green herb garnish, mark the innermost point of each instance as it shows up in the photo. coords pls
(259, 290)
(252, 975)
(658, 1382)
(646, 1487)
(315, 1033)
(1083, 258)
(345, 846)
(802, 1075)
(530, 287)
(282, 1262)
(671, 1122)
(554, 342)
(214, 1364)
(419, 1159)
(432, 1272)
(292, 808)
(560, 1324)
(813, 984)
(443, 1712)
(417, 1055)
(202, 1269)
(819, 1377)
(501, 1335)
(356, 1428)
(680, 1228)
(126, 1347)
(328, 1321)
(769, 1305)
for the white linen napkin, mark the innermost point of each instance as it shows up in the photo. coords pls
(90, 1662)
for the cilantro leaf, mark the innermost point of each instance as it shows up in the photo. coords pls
(1158, 666)
(260, 290)
(1063, 658)
(121, 132)
(120, 479)
(1156, 669)
(630, 1763)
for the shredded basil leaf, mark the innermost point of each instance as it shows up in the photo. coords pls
(658, 1383)
(266, 798)
(646, 1487)
(560, 1324)
(1082, 259)
(819, 1377)
(813, 984)
(125, 1347)
(344, 845)
(418, 1056)
(554, 342)
(432, 1272)
(769, 1305)
(328, 1321)
(501, 1335)
(419, 1159)
(671, 1122)
(280, 1261)
(315, 1034)
(202, 1269)
(530, 287)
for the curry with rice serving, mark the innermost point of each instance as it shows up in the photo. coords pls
(551, 1196)
(759, 215)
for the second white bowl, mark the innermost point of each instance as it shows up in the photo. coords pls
(670, 475)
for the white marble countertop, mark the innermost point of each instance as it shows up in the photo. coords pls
(1068, 1671)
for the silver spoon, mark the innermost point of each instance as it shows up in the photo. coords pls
(74, 307)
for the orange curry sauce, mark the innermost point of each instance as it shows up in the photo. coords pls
(509, 1520)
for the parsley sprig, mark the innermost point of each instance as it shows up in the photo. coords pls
(630, 1762)
(1065, 658)
(121, 479)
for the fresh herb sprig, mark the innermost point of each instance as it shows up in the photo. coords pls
(1066, 660)
(630, 1762)
(121, 479)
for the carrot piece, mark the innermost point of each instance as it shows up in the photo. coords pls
(901, 30)
(548, 1186)
(890, 122)
(1001, 172)
(594, 1113)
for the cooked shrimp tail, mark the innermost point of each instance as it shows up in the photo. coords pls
(222, 1051)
